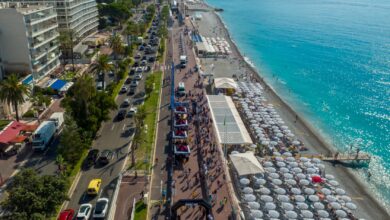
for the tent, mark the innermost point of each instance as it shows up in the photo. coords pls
(246, 163)
(225, 83)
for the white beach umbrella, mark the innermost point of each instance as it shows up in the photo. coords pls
(304, 182)
(273, 143)
(295, 142)
(291, 182)
(346, 198)
(341, 213)
(308, 164)
(283, 198)
(350, 205)
(244, 181)
(270, 169)
(331, 198)
(274, 175)
(279, 159)
(316, 160)
(256, 213)
(280, 191)
(340, 191)
(299, 198)
(318, 205)
(277, 182)
(281, 164)
(260, 181)
(247, 190)
(288, 154)
(301, 176)
(291, 215)
(302, 205)
(254, 205)
(287, 206)
(297, 170)
(335, 205)
(294, 164)
(275, 153)
(249, 197)
(304, 159)
(264, 191)
(311, 170)
(323, 213)
(290, 159)
(296, 191)
(288, 176)
(284, 170)
(253, 146)
(329, 176)
(266, 198)
(309, 191)
(265, 143)
(314, 198)
(273, 214)
(279, 135)
(234, 152)
(270, 206)
(333, 183)
(307, 214)
(320, 165)
(326, 191)
(290, 135)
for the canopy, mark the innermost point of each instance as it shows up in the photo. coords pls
(246, 163)
(225, 83)
(58, 84)
(11, 133)
(229, 126)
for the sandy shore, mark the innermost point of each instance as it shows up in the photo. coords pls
(212, 26)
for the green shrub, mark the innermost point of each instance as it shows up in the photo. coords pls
(29, 114)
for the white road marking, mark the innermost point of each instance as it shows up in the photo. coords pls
(124, 126)
(112, 127)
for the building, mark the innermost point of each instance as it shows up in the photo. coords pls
(28, 39)
(80, 16)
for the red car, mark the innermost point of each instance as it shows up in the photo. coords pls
(67, 214)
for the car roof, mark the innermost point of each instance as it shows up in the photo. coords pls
(64, 214)
(94, 182)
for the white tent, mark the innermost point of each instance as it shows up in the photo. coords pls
(246, 163)
(225, 83)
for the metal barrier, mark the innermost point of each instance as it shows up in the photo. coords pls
(114, 198)
(133, 210)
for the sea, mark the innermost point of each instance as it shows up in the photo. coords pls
(330, 60)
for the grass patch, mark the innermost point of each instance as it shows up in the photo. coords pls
(140, 210)
(3, 123)
(68, 76)
(144, 151)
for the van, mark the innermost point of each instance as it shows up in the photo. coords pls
(181, 90)
(94, 186)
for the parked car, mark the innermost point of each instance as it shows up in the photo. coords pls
(141, 48)
(138, 76)
(126, 103)
(138, 70)
(67, 214)
(143, 63)
(152, 59)
(137, 56)
(100, 208)
(131, 91)
(132, 71)
(94, 187)
(91, 158)
(105, 157)
(123, 89)
(128, 80)
(84, 212)
(132, 112)
(136, 64)
(134, 83)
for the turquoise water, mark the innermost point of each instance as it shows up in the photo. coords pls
(330, 59)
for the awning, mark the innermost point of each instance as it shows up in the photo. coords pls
(10, 132)
(246, 164)
(58, 84)
(18, 139)
(225, 83)
(28, 79)
(66, 87)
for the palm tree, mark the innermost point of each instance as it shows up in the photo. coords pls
(67, 38)
(139, 119)
(115, 42)
(13, 92)
(102, 66)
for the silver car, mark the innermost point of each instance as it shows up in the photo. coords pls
(101, 208)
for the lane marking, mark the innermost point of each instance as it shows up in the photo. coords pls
(124, 126)
(112, 127)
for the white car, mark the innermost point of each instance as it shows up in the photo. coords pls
(138, 76)
(100, 208)
(132, 112)
(84, 212)
(126, 103)
(139, 69)
(123, 89)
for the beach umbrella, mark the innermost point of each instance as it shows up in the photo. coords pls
(290, 159)
(291, 182)
(297, 170)
(265, 143)
(275, 153)
(284, 170)
(247, 190)
(307, 164)
(266, 198)
(341, 213)
(280, 159)
(249, 197)
(234, 152)
(346, 198)
(329, 176)
(287, 206)
(277, 182)
(320, 166)
(273, 143)
(335, 205)
(314, 198)
(280, 191)
(326, 191)
(340, 191)
(274, 175)
(290, 135)
(295, 142)
(333, 183)
(309, 191)
(291, 215)
(304, 182)
(270, 169)
(260, 182)
(244, 181)
(307, 214)
(296, 191)
(316, 179)
(273, 214)
(254, 205)
(318, 205)
(288, 176)
(316, 160)
(294, 164)
(270, 206)
(302, 205)
(350, 205)
(283, 198)
(280, 164)
(264, 191)
(288, 154)
(323, 213)
(311, 170)
(304, 159)
(279, 134)
(331, 198)
(299, 198)
(301, 176)
(256, 213)
(253, 146)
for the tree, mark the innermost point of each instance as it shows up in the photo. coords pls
(30, 194)
(115, 42)
(13, 92)
(102, 66)
(67, 39)
(138, 138)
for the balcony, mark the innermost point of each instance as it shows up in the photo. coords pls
(41, 19)
(44, 29)
(44, 41)
(38, 55)
(85, 13)
(45, 63)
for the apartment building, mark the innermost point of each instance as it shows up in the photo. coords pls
(28, 39)
(80, 16)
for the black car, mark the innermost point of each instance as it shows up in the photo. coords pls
(144, 58)
(141, 48)
(128, 80)
(136, 64)
(105, 157)
(151, 59)
(91, 158)
(132, 91)
(132, 71)
(121, 114)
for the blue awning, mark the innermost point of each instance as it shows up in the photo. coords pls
(27, 80)
(58, 84)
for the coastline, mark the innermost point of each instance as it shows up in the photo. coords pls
(370, 206)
